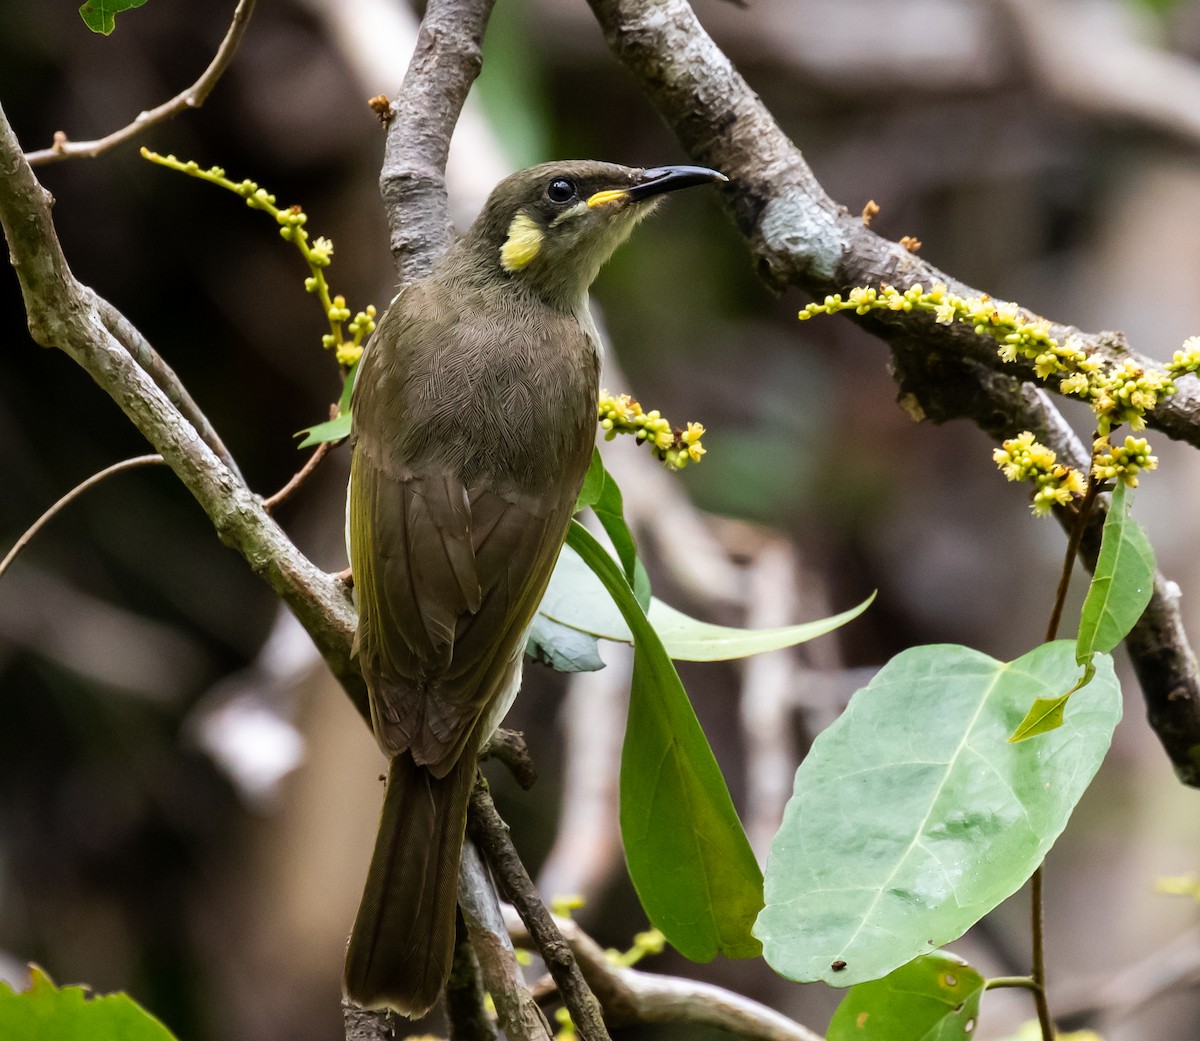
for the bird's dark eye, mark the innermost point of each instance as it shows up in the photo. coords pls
(560, 190)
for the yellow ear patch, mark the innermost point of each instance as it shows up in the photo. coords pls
(608, 195)
(524, 242)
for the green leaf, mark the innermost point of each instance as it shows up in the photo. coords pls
(1122, 584)
(603, 495)
(73, 1014)
(348, 388)
(913, 816)
(935, 997)
(688, 856)
(332, 430)
(577, 599)
(1047, 713)
(561, 647)
(100, 15)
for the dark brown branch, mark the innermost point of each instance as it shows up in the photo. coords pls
(799, 237)
(508, 747)
(444, 65)
(491, 834)
(298, 478)
(63, 313)
(193, 97)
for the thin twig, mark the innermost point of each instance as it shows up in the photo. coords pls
(131, 338)
(193, 97)
(302, 475)
(491, 833)
(508, 747)
(71, 496)
(1037, 921)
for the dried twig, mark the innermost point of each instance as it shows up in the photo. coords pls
(491, 833)
(71, 496)
(465, 1009)
(298, 478)
(193, 97)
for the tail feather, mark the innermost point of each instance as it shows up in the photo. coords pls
(403, 938)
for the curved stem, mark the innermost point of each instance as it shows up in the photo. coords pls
(302, 475)
(70, 497)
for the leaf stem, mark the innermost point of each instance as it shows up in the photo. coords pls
(1038, 975)
(1000, 982)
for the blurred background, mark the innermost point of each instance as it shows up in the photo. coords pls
(187, 802)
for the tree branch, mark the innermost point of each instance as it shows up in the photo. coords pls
(491, 833)
(193, 97)
(800, 237)
(65, 314)
(445, 63)
(630, 997)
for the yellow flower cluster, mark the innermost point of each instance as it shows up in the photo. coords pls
(1023, 459)
(1117, 393)
(317, 254)
(622, 414)
(1123, 462)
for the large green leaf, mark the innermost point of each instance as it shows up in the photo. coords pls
(913, 816)
(933, 998)
(46, 1012)
(101, 15)
(562, 648)
(1122, 583)
(688, 856)
(577, 599)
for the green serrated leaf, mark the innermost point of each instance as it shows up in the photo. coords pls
(913, 816)
(561, 647)
(73, 1014)
(935, 997)
(100, 15)
(1047, 713)
(1122, 583)
(688, 857)
(332, 430)
(577, 599)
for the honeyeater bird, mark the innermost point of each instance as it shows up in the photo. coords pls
(474, 415)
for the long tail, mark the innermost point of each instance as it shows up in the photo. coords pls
(403, 938)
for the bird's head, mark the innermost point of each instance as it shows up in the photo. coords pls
(550, 228)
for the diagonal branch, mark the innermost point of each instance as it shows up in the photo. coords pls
(193, 97)
(799, 237)
(65, 314)
(446, 62)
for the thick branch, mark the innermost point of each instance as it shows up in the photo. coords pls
(193, 97)
(445, 63)
(629, 996)
(65, 314)
(800, 237)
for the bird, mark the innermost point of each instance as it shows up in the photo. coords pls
(474, 417)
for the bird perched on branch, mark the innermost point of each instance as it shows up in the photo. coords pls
(474, 415)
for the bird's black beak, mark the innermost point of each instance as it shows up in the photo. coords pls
(671, 178)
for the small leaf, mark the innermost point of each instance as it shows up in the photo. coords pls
(561, 647)
(1122, 584)
(101, 15)
(593, 482)
(913, 816)
(332, 430)
(73, 1014)
(348, 388)
(1047, 713)
(576, 598)
(935, 997)
(688, 857)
